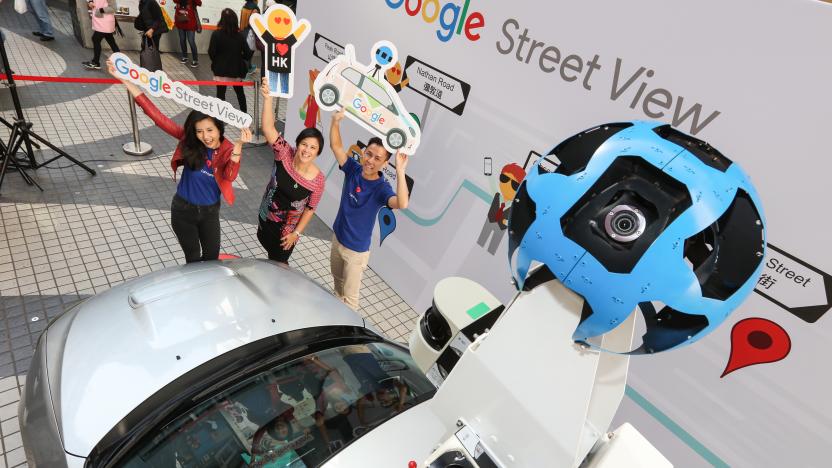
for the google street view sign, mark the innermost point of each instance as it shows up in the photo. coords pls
(158, 84)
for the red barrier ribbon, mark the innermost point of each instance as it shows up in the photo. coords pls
(58, 79)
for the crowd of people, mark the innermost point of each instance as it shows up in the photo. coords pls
(210, 162)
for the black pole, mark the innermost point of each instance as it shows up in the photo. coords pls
(18, 109)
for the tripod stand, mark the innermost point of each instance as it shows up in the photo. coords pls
(9, 151)
(21, 134)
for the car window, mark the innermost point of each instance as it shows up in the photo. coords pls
(352, 75)
(295, 415)
(377, 92)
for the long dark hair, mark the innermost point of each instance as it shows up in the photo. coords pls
(229, 23)
(193, 150)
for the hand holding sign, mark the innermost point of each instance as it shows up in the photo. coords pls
(158, 84)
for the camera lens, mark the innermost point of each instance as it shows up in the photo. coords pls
(624, 223)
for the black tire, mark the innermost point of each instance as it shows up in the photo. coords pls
(328, 95)
(396, 138)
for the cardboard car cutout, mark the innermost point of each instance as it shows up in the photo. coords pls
(280, 32)
(157, 83)
(368, 98)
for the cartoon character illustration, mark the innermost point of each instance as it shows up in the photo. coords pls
(281, 33)
(355, 151)
(394, 77)
(385, 54)
(309, 112)
(496, 222)
(372, 103)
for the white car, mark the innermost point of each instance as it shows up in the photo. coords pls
(232, 363)
(372, 103)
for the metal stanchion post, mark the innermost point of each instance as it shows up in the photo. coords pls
(135, 147)
(256, 109)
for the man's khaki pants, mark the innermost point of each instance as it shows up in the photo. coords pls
(347, 269)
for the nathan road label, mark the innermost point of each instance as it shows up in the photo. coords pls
(436, 85)
(794, 285)
(326, 49)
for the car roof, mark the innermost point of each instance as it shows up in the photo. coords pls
(129, 342)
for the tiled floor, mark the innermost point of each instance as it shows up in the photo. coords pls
(84, 234)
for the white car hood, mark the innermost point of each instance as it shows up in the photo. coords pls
(120, 351)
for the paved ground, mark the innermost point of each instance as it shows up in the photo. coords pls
(83, 234)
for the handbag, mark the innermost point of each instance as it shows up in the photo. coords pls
(149, 57)
(20, 6)
(181, 15)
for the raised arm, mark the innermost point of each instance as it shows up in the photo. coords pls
(161, 120)
(299, 31)
(402, 197)
(258, 24)
(267, 117)
(335, 138)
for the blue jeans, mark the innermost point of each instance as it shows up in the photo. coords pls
(38, 8)
(191, 37)
(281, 79)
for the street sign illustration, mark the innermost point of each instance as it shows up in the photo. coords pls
(326, 49)
(794, 285)
(438, 86)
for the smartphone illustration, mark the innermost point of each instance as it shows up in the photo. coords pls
(486, 163)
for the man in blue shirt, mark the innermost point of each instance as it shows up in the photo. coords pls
(364, 193)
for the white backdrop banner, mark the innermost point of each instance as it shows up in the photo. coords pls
(496, 84)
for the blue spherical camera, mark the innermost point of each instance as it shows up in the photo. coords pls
(641, 215)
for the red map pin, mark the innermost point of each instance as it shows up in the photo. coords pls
(756, 340)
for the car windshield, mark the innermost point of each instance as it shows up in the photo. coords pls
(295, 415)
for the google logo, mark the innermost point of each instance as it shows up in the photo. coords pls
(360, 106)
(453, 19)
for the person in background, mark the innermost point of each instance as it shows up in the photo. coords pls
(253, 43)
(41, 14)
(210, 164)
(103, 27)
(364, 193)
(249, 7)
(295, 187)
(228, 52)
(150, 21)
(186, 19)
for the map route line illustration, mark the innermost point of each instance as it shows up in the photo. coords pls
(422, 221)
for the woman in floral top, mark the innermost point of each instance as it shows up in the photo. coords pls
(295, 187)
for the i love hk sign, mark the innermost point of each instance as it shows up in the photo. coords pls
(158, 84)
